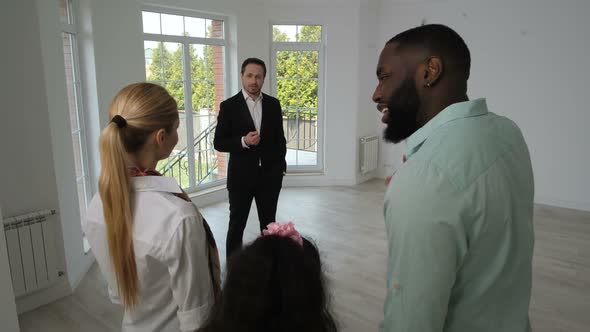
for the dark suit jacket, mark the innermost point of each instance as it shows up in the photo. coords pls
(233, 122)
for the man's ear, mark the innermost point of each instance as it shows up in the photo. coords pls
(432, 71)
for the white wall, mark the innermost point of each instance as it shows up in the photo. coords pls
(528, 60)
(37, 171)
(27, 172)
(367, 115)
(7, 305)
(77, 263)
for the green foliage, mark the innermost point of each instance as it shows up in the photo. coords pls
(278, 35)
(297, 74)
(167, 69)
(310, 33)
(202, 78)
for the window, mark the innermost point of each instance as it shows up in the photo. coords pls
(74, 94)
(69, 35)
(186, 55)
(297, 78)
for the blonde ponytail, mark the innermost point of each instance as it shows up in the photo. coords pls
(115, 192)
(145, 107)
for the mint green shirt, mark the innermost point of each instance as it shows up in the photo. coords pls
(459, 220)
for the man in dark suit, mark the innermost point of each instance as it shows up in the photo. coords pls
(250, 128)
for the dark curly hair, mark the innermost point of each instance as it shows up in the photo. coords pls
(273, 285)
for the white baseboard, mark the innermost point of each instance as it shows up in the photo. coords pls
(64, 286)
(209, 196)
(219, 193)
(552, 201)
(315, 180)
(366, 177)
(42, 297)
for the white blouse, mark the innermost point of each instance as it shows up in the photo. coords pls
(171, 253)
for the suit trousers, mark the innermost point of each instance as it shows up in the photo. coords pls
(265, 191)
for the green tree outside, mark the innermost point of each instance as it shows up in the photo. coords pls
(167, 69)
(297, 74)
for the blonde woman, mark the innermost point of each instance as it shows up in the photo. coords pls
(151, 243)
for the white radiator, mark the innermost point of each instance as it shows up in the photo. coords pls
(369, 150)
(30, 240)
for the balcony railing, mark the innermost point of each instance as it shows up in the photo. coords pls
(300, 133)
(205, 159)
(300, 130)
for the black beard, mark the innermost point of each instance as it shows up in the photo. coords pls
(403, 113)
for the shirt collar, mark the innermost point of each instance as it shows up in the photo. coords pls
(453, 112)
(155, 183)
(247, 96)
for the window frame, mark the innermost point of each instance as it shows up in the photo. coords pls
(303, 46)
(187, 80)
(71, 28)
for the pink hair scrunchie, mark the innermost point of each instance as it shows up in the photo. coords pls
(284, 230)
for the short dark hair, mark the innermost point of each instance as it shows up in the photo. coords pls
(254, 61)
(273, 285)
(439, 40)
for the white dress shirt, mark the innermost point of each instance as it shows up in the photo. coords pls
(255, 108)
(171, 254)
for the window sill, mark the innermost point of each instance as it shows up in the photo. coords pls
(206, 191)
(306, 173)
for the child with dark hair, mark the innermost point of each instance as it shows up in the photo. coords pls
(275, 284)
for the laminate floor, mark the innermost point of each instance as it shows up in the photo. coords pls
(347, 225)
